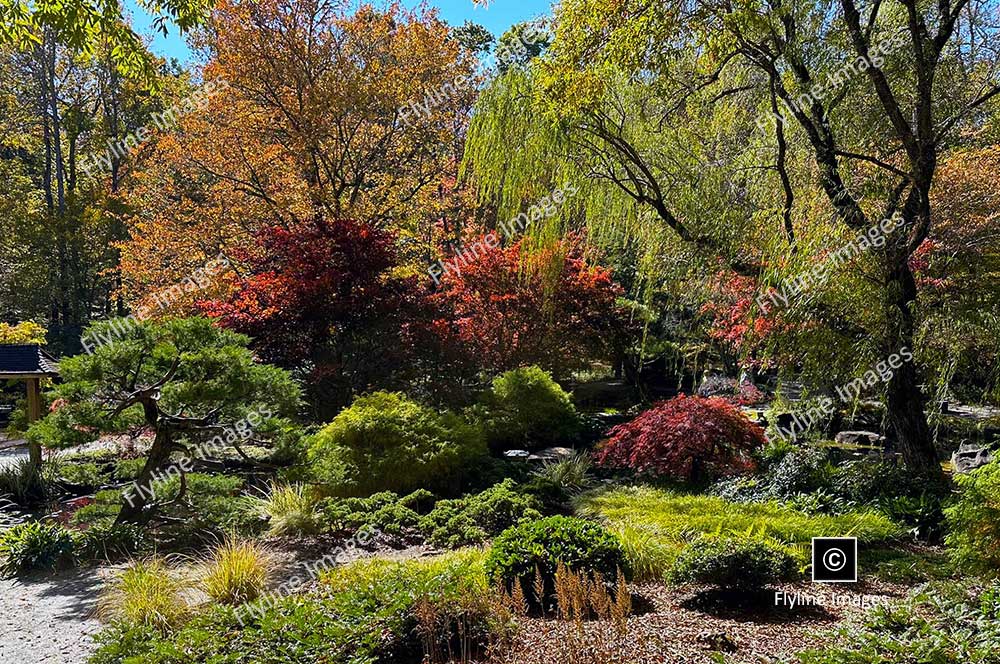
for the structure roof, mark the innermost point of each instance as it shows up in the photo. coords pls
(26, 360)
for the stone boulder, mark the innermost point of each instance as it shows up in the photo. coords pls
(868, 438)
(552, 454)
(970, 456)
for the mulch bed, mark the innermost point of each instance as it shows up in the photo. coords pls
(693, 625)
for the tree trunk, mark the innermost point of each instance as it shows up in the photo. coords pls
(904, 400)
(137, 497)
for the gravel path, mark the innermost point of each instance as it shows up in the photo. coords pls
(11, 455)
(49, 620)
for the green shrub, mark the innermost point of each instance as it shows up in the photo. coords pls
(103, 510)
(87, 475)
(386, 442)
(34, 546)
(526, 409)
(737, 562)
(107, 541)
(476, 518)
(537, 547)
(923, 514)
(974, 519)
(128, 470)
(865, 481)
(445, 523)
(801, 471)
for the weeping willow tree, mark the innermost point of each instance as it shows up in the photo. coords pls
(755, 138)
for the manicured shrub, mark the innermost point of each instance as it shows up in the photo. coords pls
(107, 541)
(145, 595)
(86, 475)
(236, 572)
(127, 470)
(476, 518)
(536, 548)
(34, 546)
(288, 510)
(526, 409)
(686, 438)
(453, 523)
(387, 442)
(736, 562)
(974, 519)
(384, 510)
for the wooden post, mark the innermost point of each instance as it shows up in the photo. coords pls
(34, 414)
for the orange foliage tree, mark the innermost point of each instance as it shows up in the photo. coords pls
(316, 120)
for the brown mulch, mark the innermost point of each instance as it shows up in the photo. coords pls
(694, 625)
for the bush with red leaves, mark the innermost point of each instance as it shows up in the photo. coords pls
(555, 310)
(687, 439)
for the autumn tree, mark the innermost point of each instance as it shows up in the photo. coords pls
(957, 269)
(765, 135)
(327, 114)
(326, 302)
(60, 112)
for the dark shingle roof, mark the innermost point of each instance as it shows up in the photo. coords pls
(26, 359)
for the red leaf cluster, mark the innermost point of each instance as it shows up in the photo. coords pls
(306, 285)
(685, 439)
(502, 310)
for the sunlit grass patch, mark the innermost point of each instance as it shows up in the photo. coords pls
(655, 524)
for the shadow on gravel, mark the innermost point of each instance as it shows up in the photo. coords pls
(73, 592)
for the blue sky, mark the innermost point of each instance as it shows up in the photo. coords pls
(500, 15)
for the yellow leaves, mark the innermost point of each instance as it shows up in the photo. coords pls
(27, 332)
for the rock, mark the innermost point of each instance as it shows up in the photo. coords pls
(859, 438)
(717, 641)
(969, 456)
(552, 454)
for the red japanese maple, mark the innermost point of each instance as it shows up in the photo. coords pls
(501, 311)
(686, 439)
(306, 285)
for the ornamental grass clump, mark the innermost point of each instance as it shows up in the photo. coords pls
(147, 594)
(236, 572)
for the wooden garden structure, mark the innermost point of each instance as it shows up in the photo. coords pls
(30, 364)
